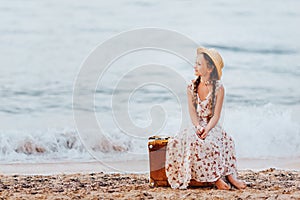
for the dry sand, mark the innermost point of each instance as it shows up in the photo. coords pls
(266, 184)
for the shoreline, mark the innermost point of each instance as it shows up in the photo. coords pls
(131, 167)
(271, 183)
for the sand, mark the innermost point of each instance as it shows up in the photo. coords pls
(265, 184)
(133, 166)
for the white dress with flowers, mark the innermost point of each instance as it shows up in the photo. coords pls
(189, 157)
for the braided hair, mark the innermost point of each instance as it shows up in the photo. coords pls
(196, 84)
(213, 78)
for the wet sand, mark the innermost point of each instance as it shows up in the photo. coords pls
(266, 184)
(137, 166)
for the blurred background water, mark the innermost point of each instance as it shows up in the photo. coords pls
(43, 43)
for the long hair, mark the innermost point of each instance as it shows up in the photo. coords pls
(213, 78)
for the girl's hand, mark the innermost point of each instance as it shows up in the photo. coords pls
(204, 134)
(199, 131)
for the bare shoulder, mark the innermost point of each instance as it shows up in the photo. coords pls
(221, 89)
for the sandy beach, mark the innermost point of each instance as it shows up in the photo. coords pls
(132, 166)
(265, 184)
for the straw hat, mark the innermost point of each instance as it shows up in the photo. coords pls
(215, 56)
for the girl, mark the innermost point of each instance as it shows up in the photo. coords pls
(204, 152)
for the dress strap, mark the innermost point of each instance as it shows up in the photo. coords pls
(219, 84)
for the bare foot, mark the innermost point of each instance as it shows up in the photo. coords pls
(236, 183)
(221, 185)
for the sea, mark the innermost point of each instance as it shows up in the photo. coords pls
(44, 45)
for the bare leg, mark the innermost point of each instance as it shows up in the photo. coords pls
(236, 183)
(221, 185)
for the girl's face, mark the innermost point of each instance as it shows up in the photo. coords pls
(200, 67)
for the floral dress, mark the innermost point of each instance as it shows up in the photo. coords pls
(189, 157)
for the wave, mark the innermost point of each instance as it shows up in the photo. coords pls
(264, 132)
(275, 51)
(267, 131)
(48, 145)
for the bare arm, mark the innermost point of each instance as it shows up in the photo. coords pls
(192, 110)
(218, 107)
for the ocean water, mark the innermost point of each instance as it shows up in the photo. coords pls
(43, 45)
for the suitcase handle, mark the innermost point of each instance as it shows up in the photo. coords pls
(155, 137)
